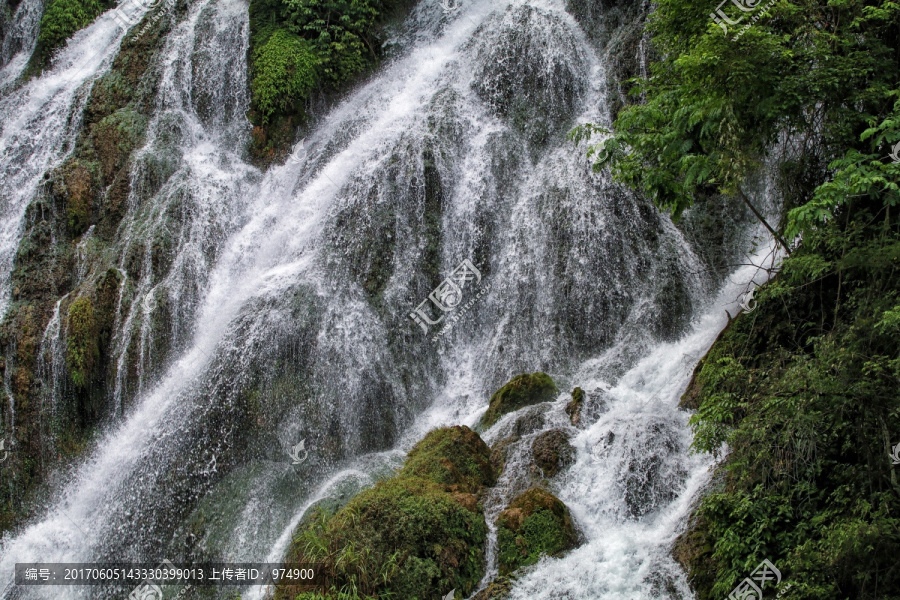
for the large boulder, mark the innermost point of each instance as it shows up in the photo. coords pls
(534, 523)
(522, 390)
(418, 534)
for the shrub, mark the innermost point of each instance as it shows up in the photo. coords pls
(286, 70)
(62, 18)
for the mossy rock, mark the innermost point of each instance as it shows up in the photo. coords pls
(416, 535)
(535, 523)
(498, 589)
(77, 184)
(575, 406)
(693, 550)
(522, 390)
(552, 452)
(115, 137)
(452, 456)
(82, 348)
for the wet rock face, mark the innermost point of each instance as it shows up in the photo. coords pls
(648, 479)
(574, 408)
(552, 452)
(498, 589)
(520, 391)
(534, 523)
(532, 73)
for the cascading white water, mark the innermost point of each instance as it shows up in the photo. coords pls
(18, 40)
(295, 286)
(40, 122)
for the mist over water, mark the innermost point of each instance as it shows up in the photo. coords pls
(287, 297)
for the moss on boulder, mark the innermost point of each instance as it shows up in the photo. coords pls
(455, 457)
(115, 137)
(416, 535)
(522, 390)
(76, 183)
(534, 523)
(552, 452)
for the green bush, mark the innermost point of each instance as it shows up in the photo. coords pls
(341, 30)
(286, 70)
(62, 18)
(803, 392)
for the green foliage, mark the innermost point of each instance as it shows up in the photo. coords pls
(286, 71)
(715, 106)
(411, 536)
(299, 46)
(804, 393)
(522, 390)
(62, 18)
(339, 29)
(534, 524)
(82, 350)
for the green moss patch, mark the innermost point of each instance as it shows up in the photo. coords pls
(523, 390)
(415, 536)
(115, 137)
(82, 349)
(453, 456)
(535, 523)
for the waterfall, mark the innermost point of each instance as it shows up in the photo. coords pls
(281, 311)
(41, 119)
